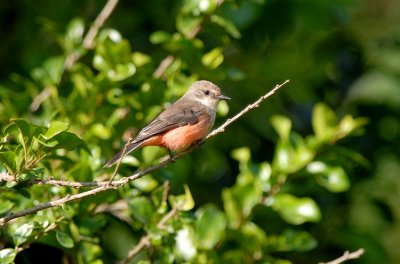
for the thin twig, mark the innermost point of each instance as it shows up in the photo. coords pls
(244, 111)
(346, 256)
(120, 160)
(163, 66)
(88, 40)
(145, 240)
(168, 60)
(104, 186)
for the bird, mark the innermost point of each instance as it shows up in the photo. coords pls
(185, 122)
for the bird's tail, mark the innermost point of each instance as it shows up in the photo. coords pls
(121, 154)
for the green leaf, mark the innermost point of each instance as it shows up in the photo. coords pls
(282, 126)
(51, 71)
(292, 240)
(141, 209)
(66, 140)
(74, 34)
(242, 155)
(145, 184)
(160, 37)
(187, 24)
(100, 131)
(55, 128)
(5, 206)
(183, 202)
(140, 59)
(113, 56)
(252, 237)
(207, 6)
(213, 58)
(64, 239)
(291, 156)
(324, 122)
(8, 158)
(231, 208)
(185, 243)
(7, 255)
(333, 178)
(296, 210)
(210, 226)
(23, 233)
(26, 129)
(348, 124)
(227, 25)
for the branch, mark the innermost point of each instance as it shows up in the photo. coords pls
(168, 60)
(104, 186)
(145, 240)
(88, 40)
(346, 256)
(244, 111)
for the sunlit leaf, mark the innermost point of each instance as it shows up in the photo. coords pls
(333, 178)
(183, 202)
(227, 25)
(242, 155)
(55, 128)
(140, 59)
(64, 239)
(324, 122)
(5, 206)
(113, 56)
(292, 240)
(8, 158)
(282, 126)
(7, 255)
(213, 58)
(23, 233)
(74, 34)
(66, 140)
(141, 209)
(296, 210)
(159, 37)
(252, 237)
(210, 226)
(145, 184)
(231, 208)
(185, 243)
(187, 24)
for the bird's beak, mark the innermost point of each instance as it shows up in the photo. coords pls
(223, 97)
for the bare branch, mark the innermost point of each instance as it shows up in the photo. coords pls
(346, 256)
(244, 111)
(104, 186)
(88, 40)
(164, 64)
(168, 60)
(145, 240)
(98, 23)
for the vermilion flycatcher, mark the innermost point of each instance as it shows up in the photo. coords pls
(185, 122)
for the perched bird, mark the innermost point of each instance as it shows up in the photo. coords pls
(185, 122)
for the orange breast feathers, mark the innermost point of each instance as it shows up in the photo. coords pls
(182, 137)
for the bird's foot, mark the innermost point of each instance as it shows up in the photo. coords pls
(200, 142)
(171, 155)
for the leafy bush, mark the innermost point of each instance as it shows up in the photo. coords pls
(258, 193)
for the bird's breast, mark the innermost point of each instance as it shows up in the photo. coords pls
(182, 137)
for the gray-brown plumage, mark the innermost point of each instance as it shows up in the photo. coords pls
(186, 121)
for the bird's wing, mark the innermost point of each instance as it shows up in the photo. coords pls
(179, 114)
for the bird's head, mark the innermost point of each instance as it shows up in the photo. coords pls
(206, 93)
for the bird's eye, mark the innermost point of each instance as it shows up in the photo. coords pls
(206, 92)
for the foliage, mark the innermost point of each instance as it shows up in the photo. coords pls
(265, 192)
